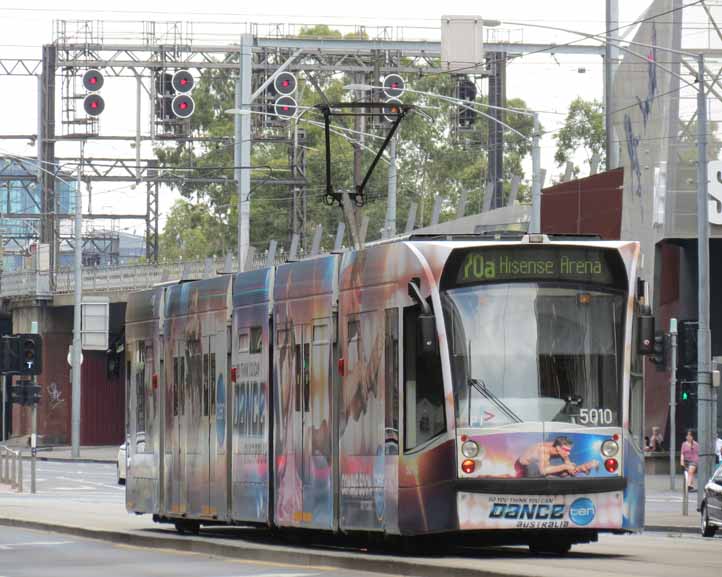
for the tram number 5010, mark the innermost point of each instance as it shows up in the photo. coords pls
(596, 416)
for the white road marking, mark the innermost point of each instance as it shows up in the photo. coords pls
(280, 575)
(10, 546)
(106, 485)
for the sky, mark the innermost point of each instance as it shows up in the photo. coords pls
(547, 83)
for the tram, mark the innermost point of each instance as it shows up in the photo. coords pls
(468, 386)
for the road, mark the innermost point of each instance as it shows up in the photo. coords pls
(82, 482)
(85, 495)
(29, 553)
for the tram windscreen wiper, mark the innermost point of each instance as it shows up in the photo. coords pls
(484, 391)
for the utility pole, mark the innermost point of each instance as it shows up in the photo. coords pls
(242, 146)
(390, 226)
(535, 225)
(704, 368)
(75, 417)
(611, 59)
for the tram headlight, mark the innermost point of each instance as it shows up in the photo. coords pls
(470, 449)
(610, 448)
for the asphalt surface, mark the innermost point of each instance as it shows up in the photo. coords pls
(30, 553)
(83, 500)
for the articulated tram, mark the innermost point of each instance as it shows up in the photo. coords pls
(467, 386)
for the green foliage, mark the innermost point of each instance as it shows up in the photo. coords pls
(431, 159)
(583, 128)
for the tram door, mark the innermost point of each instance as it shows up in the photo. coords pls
(317, 456)
(174, 470)
(301, 415)
(207, 427)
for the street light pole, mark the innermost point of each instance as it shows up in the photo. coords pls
(535, 223)
(242, 147)
(75, 417)
(704, 369)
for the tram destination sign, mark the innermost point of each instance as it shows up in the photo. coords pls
(536, 264)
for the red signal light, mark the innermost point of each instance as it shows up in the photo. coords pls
(468, 466)
(611, 465)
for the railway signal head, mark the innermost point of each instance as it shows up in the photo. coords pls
(183, 105)
(285, 84)
(285, 107)
(392, 109)
(182, 81)
(93, 104)
(466, 91)
(93, 80)
(393, 86)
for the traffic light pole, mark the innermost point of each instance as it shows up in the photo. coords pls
(33, 446)
(76, 389)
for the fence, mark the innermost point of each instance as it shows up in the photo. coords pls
(11, 468)
(123, 278)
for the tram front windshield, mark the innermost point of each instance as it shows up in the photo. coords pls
(535, 352)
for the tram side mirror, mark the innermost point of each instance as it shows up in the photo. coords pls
(427, 333)
(645, 335)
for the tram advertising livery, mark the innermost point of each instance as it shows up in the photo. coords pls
(464, 386)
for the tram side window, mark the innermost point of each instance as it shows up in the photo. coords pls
(182, 387)
(212, 379)
(391, 355)
(175, 386)
(140, 388)
(424, 388)
(256, 345)
(205, 384)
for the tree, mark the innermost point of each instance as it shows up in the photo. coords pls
(583, 128)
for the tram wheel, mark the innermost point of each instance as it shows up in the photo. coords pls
(184, 526)
(550, 548)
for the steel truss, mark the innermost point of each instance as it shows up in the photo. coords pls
(79, 45)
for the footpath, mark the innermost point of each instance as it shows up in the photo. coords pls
(109, 521)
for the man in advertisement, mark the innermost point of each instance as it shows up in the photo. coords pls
(550, 458)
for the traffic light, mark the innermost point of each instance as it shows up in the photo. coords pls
(393, 87)
(93, 103)
(173, 99)
(466, 91)
(659, 357)
(163, 95)
(21, 354)
(391, 110)
(182, 104)
(25, 393)
(284, 106)
(182, 81)
(93, 80)
(31, 354)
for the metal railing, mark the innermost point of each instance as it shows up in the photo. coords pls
(121, 278)
(11, 468)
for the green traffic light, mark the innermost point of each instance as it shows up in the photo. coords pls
(685, 396)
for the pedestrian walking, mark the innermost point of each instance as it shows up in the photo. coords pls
(689, 459)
